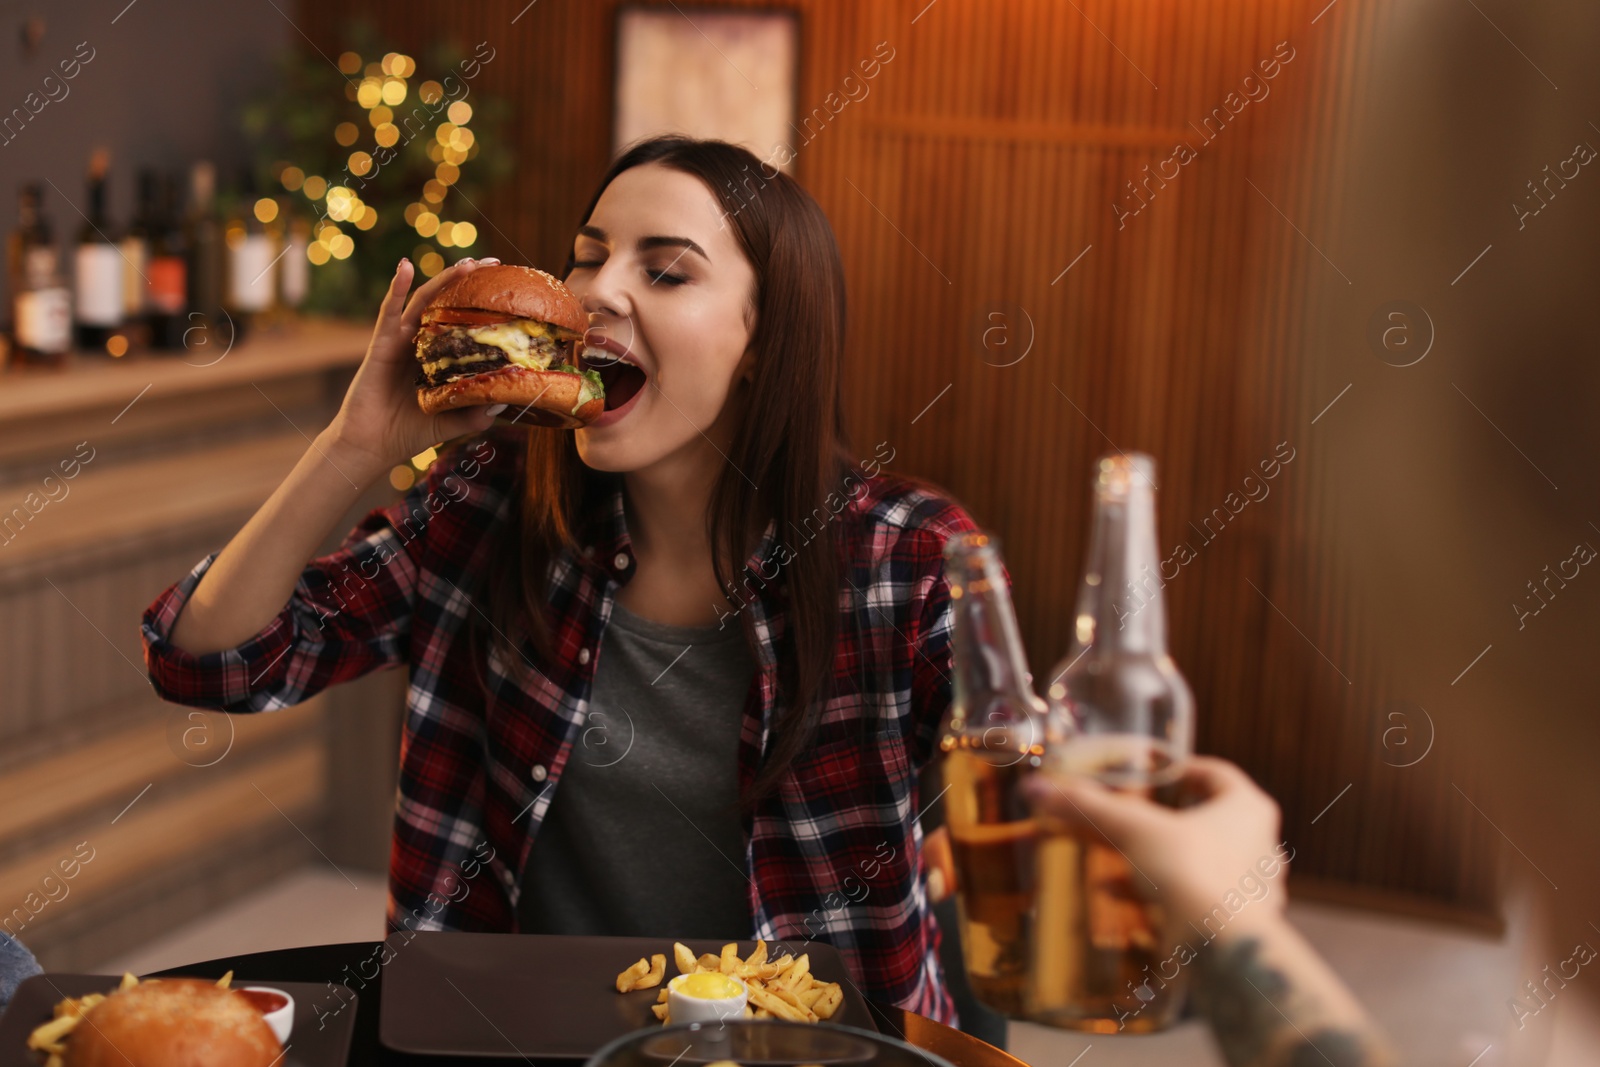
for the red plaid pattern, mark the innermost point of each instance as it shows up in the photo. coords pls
(834, 855)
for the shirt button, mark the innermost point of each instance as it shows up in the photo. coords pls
(621, 561)
(583, 655)
(538, 773)
(508, 877)
(588, 551)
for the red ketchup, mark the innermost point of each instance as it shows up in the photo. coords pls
(263, 1000)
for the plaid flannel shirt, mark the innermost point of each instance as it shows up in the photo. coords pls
(833, 855)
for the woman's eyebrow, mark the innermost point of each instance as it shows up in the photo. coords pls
(647, 243)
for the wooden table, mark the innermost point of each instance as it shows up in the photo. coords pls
(319, 963)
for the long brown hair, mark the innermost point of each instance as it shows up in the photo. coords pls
(791, 442)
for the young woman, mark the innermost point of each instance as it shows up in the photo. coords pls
(673, 674)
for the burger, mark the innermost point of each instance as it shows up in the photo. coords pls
(504, 334)
(174, 1022)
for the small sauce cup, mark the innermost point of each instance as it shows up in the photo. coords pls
(706, 998)
(275, 1006)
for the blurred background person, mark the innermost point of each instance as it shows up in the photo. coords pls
(1464, 461)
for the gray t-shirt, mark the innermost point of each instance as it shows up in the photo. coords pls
(643, 835)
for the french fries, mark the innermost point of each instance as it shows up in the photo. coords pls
(50, 1037)
(658, 971)
(780, 988)
(644, 975)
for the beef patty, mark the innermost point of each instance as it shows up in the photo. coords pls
(448, 354)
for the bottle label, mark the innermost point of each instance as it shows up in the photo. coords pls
(44, 320)
(99, 277)
(296, 273)
(135, 256)
(250, 273)
(39, 266)
(167, 291)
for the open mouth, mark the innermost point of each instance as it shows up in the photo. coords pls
(623, 380)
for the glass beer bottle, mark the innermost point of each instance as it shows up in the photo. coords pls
(1118, 711)
(992, 738)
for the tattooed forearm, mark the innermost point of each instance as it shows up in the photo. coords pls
(1264, 1017)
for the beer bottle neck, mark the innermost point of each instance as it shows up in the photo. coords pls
(1120, 603)
(990, 668)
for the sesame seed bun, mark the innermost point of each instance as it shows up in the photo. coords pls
(174, 1022)
(520, 292)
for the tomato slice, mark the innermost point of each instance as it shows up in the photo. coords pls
(464, 317)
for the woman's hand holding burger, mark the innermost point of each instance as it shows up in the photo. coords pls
(499, 335)
(380, 424)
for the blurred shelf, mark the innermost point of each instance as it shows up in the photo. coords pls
(88, 382)
(288, 380)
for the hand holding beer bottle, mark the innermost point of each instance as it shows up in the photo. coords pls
(1121, 714)
(1136, 895)
(1194, 856)
(1201, 859)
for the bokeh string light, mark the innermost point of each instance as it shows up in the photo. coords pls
(383, 86)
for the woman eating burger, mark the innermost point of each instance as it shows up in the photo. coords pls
(672, 673)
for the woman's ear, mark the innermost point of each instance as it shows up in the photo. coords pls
(746, 371)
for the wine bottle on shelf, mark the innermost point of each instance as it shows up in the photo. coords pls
(166, 295)
(97, 305)
(41, 305)
(249, 290)
(135, 245)
(205, 323)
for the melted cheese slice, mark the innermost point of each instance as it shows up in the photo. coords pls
(515, 339)
(434, 366)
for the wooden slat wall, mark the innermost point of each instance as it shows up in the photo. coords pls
(995, 142)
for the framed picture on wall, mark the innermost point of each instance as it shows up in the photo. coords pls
(715, 72)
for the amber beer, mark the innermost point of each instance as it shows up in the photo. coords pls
(992, 739)
(994, 858)
(1100, 945)
(1118, 711)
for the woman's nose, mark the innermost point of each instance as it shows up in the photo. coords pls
(605, 312)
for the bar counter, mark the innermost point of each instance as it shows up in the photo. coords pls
(116, 476)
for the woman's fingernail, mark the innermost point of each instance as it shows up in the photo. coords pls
(400, 264)
(489, 259)
(494, 409)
